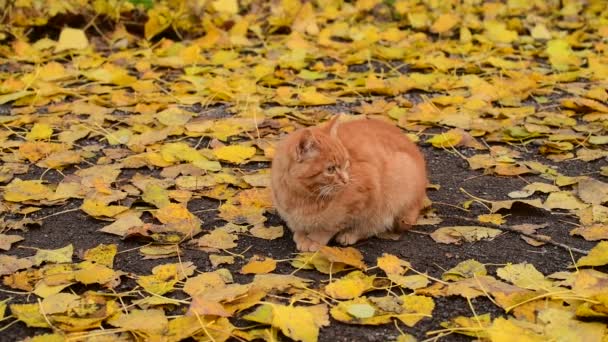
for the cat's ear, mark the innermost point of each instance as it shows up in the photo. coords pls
(332, 126)
(307, 146)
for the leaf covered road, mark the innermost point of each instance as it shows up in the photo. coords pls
(136, 139)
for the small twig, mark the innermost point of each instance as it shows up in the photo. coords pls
(59, 213)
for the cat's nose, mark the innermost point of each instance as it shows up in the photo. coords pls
(343, 177)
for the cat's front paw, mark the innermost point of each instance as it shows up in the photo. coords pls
(347, 238)
(305, 244)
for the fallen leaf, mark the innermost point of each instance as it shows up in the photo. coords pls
(59, 303)
(71, 38)
(219, 239)
(525, 276)
(39, 131)
(96, 208)
(259, 265)
(236, 154)
(142, 321)
(102, 254)
(592, 233)
(592, 191)
(390, 264)
(268, 233)
(598, 256)
(496, 219)
(296, 322)
(122, 225)
(53, 255)
(30, 190)
(564, 200)
(7, 240)
(9, 264)
(459, 234)
(464, 270)
(350, 286)
(499, 205)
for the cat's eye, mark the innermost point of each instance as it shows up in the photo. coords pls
(330, 169)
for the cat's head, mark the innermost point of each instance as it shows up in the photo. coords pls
(320, 163)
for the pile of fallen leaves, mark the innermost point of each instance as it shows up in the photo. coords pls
(119, 117)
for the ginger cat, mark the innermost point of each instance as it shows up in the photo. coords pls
(351, 180)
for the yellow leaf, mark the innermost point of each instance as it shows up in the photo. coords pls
(141, 321)
(525, 276)
(411, 282)
(531, 188)
(175, 213)
(268, 233)
(350, 286)
(219, 239)
(40, 131)
(122, 225)
(30, 190)
(592, 233)
(70, 38)
(347, 255)
(7, 240)
(44, 290)
(164, 277)
(445, 23)
(59, 303)
(315, 261)
(96, 208)
(280, 282)
(561, 55)
(499, 205)
(448, 139)
(592, 191)
(310, 96)
(540, 31)
(236, 154)
(203, 306)
(53, 255)
(156, 195)
(30, 315)
(562, 325)
(259, 265)
(226, 6)
(102, 254)
(391, 264)
(497, 32)
(503, 330)
(564, 200)
(458, 234)
(59, 160)
(9, 264)
(598, 256)
(415, 309)
(204, 282)
(496, 219)
(5, 98)
(361, 310)
(248, 206)
(296, 322)
(174, 116)
(408, 309)
(90, 273)
(465, 269)
(217, 260)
